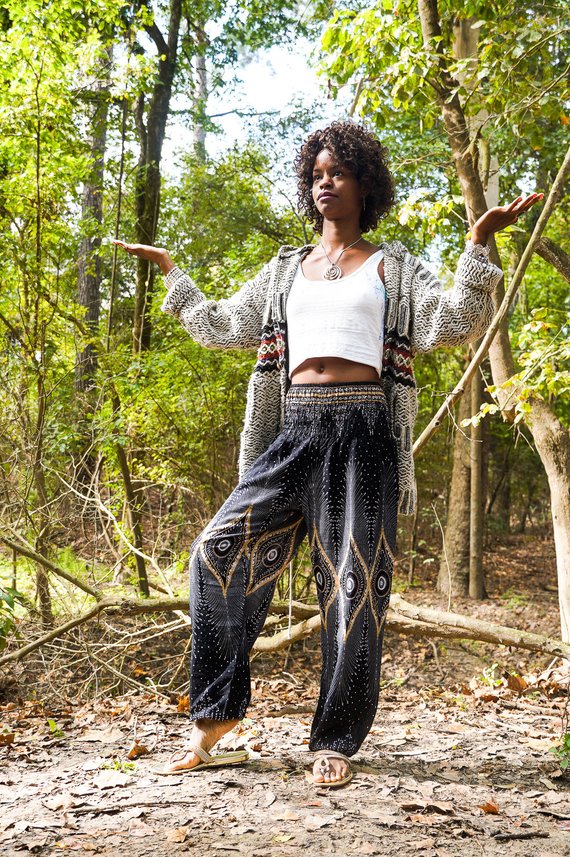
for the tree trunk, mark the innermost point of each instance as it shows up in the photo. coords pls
(471, 186)
(43, 505)
(553, 445)
(151, 138)
(134, 507)
(200, 94)
(500, 500)
(476, 582)
(465, 47)
(89, 277)
(453, 575)
(89, 265)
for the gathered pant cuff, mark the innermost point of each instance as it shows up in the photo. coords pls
(216, 714)
(338, 746)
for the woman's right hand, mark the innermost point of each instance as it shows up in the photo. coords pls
(153, 254)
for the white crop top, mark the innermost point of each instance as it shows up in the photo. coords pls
(337, 318)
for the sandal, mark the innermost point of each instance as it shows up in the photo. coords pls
(323, 757)
(219, 760)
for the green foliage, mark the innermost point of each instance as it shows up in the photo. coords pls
(117, 764)
(489, 676)
(222, 220)
(180, 405)
(384, 43)
(562, 751)
(543, 350)
(54, 729)
(514, 598)
(8, 598)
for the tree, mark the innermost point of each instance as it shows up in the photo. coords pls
(183, 59)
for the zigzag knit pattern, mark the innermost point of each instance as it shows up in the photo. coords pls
(419, 316)
(271, 348)
(398, 359)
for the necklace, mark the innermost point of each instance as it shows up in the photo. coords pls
(334, 272)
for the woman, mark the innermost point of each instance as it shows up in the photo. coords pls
(326, 448)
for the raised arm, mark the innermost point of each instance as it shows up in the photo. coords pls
(233, 322)
(458, 315)
(462, 314)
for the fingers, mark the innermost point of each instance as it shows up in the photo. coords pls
(122, 244)
(521, 204)
(130, 248)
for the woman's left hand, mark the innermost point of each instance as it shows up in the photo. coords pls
(501, 216)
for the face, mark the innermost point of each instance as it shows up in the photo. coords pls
(337, 193)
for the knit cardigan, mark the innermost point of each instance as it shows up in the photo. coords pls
(419, 316)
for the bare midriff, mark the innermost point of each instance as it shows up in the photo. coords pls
(318, 370)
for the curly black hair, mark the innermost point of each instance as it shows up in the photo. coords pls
(364, 155)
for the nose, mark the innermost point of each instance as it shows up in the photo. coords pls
(325, 181)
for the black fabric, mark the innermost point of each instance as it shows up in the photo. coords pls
(331, 475)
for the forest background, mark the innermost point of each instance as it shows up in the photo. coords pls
(118, 433)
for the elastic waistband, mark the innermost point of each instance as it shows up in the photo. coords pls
(331, 392)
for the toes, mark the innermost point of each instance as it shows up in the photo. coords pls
(333, 773)
(317, 773)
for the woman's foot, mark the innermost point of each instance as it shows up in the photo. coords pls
(330, 768)
(205, 734)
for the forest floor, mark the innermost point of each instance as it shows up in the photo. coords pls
(458, 761)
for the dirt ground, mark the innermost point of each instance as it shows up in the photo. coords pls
(458, 761)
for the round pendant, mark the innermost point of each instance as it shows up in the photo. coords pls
(332, 273)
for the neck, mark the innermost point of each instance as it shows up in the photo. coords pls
(338, 234)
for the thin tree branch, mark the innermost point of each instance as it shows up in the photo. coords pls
(26, 550)
(554, 254)
(155, 34)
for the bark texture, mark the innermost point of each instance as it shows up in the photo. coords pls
(554, 254)
(453, 578)
(89, 265)
(151, 126)
(553, 445)
(476, 582)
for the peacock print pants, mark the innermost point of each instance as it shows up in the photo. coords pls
(330, 475)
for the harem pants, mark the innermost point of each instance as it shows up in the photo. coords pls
(330, 474)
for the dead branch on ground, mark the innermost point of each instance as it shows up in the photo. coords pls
(402, 617)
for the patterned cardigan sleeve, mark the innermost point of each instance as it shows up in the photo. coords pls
(233, 322)
(458, 315)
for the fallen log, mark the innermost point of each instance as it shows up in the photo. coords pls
(402, 617)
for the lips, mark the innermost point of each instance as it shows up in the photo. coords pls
(326, 195)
